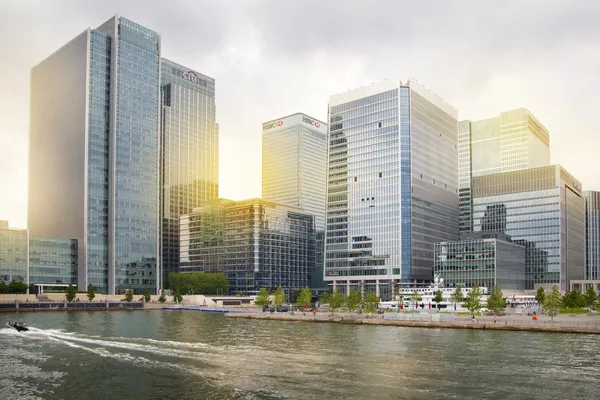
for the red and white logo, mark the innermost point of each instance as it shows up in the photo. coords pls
(317, 124)
(279, 123)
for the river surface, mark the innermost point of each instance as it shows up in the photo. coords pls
(193, 355)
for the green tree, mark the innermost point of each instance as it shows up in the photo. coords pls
(147, 296)
(162, 298)
(415, 298)
(371, 301)
(353, 300)
(304, 299)
(439, 297)
(70, 293)
(496, 301)
(457, 296)
(552, 302)
(17, 286)
(324, 297)
(262, 299)
(177, 296)
(473, 300)
(590, 297)
(129, 294)
(278, 297)
(336, 299)
(3, 287)
(540, 296)
(90, 292)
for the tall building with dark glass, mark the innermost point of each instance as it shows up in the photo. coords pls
(592, 234)
(294, 172)
(94, 153)
(392, 185)
(189, 151)
(542, 209)
(511, 141)
(256, 243)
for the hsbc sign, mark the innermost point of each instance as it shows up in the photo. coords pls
(272, 125)
(312, 122)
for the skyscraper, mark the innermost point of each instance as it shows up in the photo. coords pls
(592, 234)
(94, 153)
(294, 172)
(392, 185)
(512, 141)
(189, 151)
(542, 209)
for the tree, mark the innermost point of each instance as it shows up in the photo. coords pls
(262, 299)
(198, 282)
(457, 296)
(540, 296)
(439, 297)
(162, 298)
(129, 294)
(415, 298)
(304, 299)
(473, 300)
(70, 293)
(324, 297)
(353, 300)
(336, 299)
(590, 297)
(552, 302)
(147, 295)
(90, 292)
(573, 299)
(278, 296)
(371, 301)
(496, 301)
(177, 296)
(3, 287)
(17, 286)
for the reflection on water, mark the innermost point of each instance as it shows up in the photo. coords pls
(180, 355)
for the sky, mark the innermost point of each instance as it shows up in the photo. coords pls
(274, 58)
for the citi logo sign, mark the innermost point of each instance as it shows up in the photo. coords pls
(190, 76)
(312, 122)
(272, 125)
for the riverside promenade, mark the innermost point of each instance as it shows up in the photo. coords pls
(563, 323)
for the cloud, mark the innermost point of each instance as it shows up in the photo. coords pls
(273, 58)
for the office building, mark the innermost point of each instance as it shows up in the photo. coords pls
(592, 235)
(94, 154)
(294, 172)
(482, 260)
(543, 209)
(256, 243)
(189, 151)
(13, 254)
(392, 186)
(52, 260)
(511, 141)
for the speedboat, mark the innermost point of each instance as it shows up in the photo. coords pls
(19, 326)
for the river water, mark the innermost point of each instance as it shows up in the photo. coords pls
(193, 355)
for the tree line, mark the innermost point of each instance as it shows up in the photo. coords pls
(197, 283)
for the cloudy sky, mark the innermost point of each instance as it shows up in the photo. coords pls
(273, 58)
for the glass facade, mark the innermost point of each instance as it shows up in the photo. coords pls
(592, 235)
(256, 243)
(52, 260)
(511, 141)
(482, 262)
(189, 151)
(294, 172)
(392, 186)
(13, 254)
(542, 209)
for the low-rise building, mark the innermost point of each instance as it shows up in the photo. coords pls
(483, 259)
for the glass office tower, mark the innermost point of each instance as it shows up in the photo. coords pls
(13, 254)
(256, 243)
(294, 172)
(52, 260)
(511, 141)
(392, 185)
(189, 151)
(592, 235)
(94, 152)
(542, 209)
